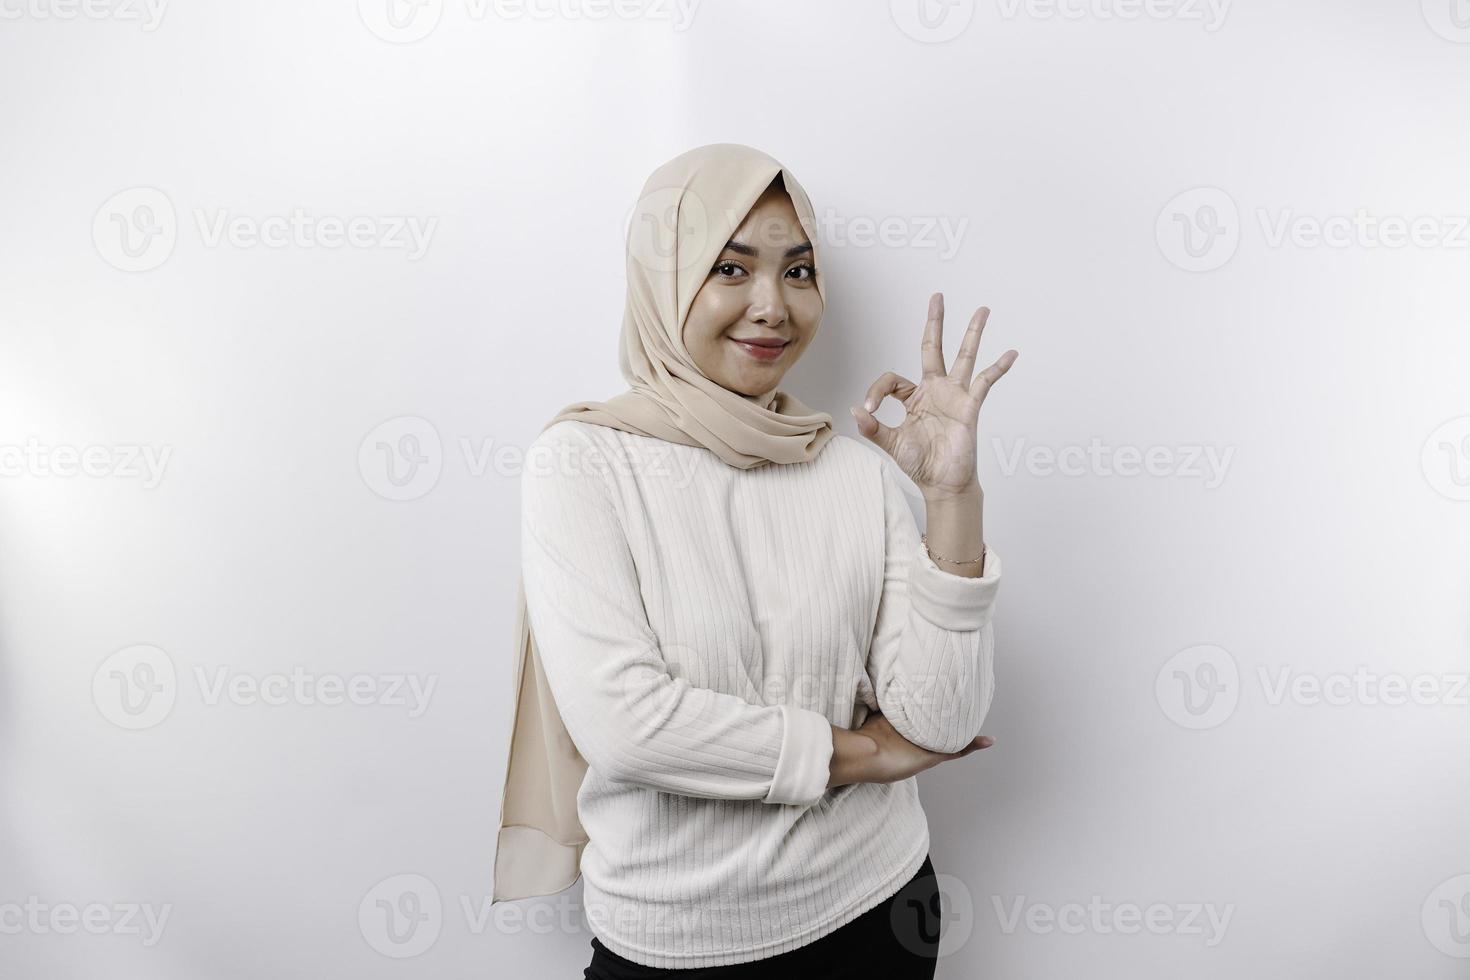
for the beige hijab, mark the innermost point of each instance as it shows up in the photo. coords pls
(689, 208)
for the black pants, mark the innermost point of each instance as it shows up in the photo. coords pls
(897, 939)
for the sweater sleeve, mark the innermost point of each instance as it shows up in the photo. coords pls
(632, 721)
(931, 660)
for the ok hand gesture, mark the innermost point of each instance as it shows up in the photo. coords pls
(936, 442)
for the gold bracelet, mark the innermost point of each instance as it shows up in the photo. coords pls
(924, 539)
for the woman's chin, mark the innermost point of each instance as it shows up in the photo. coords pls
(753, 384)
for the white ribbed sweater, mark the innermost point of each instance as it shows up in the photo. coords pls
(700, 625)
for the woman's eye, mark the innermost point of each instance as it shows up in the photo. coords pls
(808, 272)
(723, 268)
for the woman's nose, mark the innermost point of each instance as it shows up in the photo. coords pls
(766, 305)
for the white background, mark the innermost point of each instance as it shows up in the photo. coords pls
(1056, 140)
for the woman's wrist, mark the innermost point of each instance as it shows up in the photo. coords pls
(851, 754)
(955, 530)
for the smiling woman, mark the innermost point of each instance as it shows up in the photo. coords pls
(742, 650)
(760, 306)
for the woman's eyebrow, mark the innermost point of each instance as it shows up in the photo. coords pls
(744, 249)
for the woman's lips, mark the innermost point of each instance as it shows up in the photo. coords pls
(762, 350)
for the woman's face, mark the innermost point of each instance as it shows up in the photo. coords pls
(759, 306)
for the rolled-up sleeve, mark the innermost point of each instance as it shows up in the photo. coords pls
(931, 662)
(632, 721)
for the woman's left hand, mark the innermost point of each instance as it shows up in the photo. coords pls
(936, 442)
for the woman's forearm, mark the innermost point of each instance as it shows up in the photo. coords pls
(954, 528)
(851, 753)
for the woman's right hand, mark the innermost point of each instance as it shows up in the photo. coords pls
(877, 753)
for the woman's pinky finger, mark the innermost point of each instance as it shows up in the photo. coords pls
(981, 385)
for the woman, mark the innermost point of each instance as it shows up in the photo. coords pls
(723, 595)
